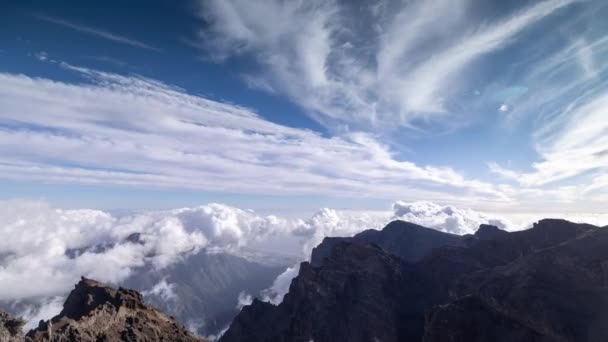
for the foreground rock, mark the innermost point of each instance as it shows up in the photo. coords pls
(548, 283)
(95, 312)
(10, 328)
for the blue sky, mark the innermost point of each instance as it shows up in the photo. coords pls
(295, 105)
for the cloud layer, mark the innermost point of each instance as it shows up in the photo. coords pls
(384, 73)
(44, 245)
(403, 71)
(40, 244)
(133, 131)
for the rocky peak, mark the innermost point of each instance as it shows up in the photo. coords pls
(410, 242)
(96, 312)
(329, 303)
(548, 283)
(89, 295)
(489, 232)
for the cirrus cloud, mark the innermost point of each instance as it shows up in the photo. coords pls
(133, 131)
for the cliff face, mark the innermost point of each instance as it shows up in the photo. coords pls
(95, 312)
(358, 283)
(549, 283)
(559, 293)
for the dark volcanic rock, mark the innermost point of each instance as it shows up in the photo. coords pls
(11, 328)
(560, 292)
(471, 319)
(408, 241)
(548, 283)
(330, 303)
(489, 232)
(95, 312)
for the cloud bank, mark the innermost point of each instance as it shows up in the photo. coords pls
(136, 132)
(402, 71)
(40, 244)
(447, 218)
(54, 247)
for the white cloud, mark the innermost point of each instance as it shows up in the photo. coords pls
(575, 143)
(42, 56)
(132, 131)
(504, 108)
(55, 247)
(45, 309)
(243, 300)
(163, 290)
(348, 76)
(328, 222)
(447, 219)
(44, 245)
(563, 104)
(275, 293)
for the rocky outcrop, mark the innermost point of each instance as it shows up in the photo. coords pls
(95, 312)
(11, 328)
(548, 283)
(489, 232)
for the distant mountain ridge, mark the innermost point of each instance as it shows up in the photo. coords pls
(406, 283)
(203, 288)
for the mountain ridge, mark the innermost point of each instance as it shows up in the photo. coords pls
(432, 295)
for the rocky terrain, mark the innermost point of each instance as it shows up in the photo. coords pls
(11, 328)
(95, 312)
(404, 283)
(548, 283)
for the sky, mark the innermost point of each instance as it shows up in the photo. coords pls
(290, 106)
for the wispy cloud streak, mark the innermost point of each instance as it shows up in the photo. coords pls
(97, 32)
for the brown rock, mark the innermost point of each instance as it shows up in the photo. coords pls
(10, 328)
(95, 312)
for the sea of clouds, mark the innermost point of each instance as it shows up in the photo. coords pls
(45, 250)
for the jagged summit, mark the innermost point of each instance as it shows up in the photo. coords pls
(489, 232)
(547, 283)
(96, 312)
(408, 241)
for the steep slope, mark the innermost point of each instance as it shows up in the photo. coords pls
(560, 293)
(359, 292)
(357, 283)
(95, 312)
